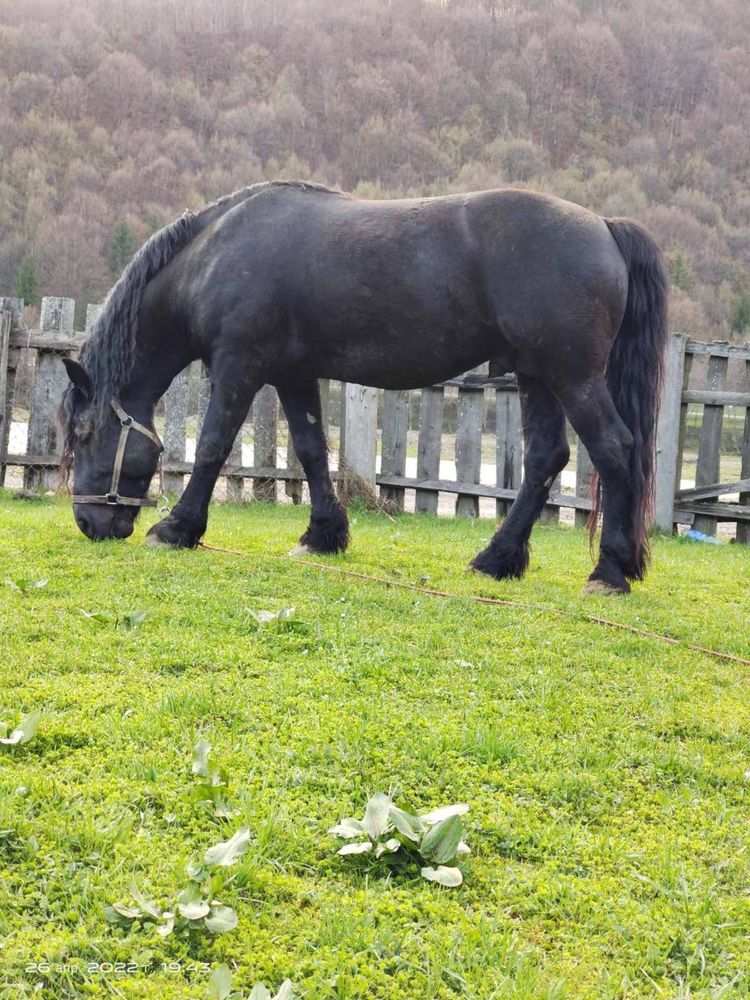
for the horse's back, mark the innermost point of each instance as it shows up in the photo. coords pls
(418, 287)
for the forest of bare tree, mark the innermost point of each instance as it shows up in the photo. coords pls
(117, 114)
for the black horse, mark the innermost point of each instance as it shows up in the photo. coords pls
(286, 282)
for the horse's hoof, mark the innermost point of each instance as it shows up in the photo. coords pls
(603, 588)
(155, 542)
(301, 550)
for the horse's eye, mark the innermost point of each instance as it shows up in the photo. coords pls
(83, 429)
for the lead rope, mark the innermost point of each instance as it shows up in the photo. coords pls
(495, 601)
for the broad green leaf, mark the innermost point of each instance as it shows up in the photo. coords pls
(259, 992)
(227, 853)
(407, 825)
(449, 877)
(376, 815)
(355, 848)
(266, 617)
(389, 847)
(24, 731)
(221, 918)
(116, 912)
(438, 815)
(190, 903)
(223, 808)
(220, 983)
(195, 871)
(441, 841)
(348, 828)
(133, 619)
(201, 751)
(24, 586)
(286, 991)
(166, 928)
(149, 909)
(97, 616)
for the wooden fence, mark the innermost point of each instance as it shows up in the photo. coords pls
(706, 398)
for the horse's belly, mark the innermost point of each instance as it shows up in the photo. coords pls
(409, 362)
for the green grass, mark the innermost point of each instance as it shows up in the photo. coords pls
(606, 772)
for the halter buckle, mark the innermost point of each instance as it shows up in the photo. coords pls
(112, 499)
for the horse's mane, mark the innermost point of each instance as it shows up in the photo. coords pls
(108, 353)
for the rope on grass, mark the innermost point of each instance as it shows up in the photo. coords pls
(496, 601)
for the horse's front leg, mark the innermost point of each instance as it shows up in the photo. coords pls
(229, 404)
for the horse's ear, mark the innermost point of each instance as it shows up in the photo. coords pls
(78, 376)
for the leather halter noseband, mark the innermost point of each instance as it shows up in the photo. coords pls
(113, 498)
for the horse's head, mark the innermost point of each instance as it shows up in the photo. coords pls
(113, 455)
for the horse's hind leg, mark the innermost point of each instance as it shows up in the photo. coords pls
(608, 441)
(232, 391)
(328, 530)
(546, 454)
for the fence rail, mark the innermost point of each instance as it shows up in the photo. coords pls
(466, 445)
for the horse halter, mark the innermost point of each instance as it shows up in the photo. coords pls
(113, 498)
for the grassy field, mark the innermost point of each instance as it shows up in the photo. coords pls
(608, 774)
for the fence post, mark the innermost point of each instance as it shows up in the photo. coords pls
(395, 435)
(175, 428)
(93, 312)
(469, 447)
(550, 513)
(584, 476)
(708, 466)
(428, 447)
(14, 308)
(5, 321)
(49, 383)
(234, 483)
(509, 461)
(743, 527)
(668, 434)
(265, 426)
(361, 430)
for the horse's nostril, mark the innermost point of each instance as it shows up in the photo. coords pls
(84, 523)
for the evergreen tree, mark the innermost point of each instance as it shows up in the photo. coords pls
(741, 318)
(121, 248)
(679, 271)
(26, 281)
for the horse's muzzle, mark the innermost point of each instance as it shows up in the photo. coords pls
(101, 523)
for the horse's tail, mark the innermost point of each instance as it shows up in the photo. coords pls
(634, 371)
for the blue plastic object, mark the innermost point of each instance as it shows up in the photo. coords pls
(698, 536)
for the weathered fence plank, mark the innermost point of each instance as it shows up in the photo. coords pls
(668, 434)
(234, 483)
(429, 446)
(469, 447)
(49, 383)
(509, 458)
(293, 487)
(708, 468)
(584, 481)
(93, 312)
(394, 441)
(14, 307)
(265, 436)
(5, 410)
(686, 371)
(361, 430)
(743, 530)
(176, 401)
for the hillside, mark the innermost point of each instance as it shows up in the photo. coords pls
(115, 116)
